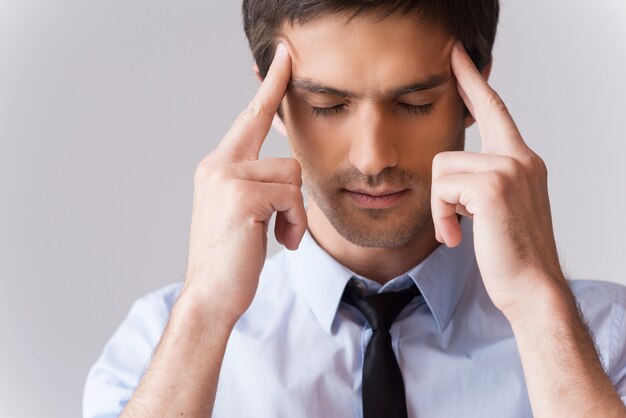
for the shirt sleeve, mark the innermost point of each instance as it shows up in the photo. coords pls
(617, 343)
(114, 376)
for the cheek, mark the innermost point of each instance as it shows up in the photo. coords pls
(441, 130)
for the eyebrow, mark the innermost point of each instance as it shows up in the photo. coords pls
(317, 87)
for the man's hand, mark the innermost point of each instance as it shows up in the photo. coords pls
(235, 195)
(504, 189)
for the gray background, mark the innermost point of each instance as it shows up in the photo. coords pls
(106, 107)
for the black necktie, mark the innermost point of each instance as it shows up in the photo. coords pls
(383, 389)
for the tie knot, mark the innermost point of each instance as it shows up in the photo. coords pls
(380, 309)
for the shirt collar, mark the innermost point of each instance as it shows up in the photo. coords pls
(442, 276)
(320, 279)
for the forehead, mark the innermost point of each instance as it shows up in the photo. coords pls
(367, 54)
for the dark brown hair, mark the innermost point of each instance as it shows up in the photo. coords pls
(473, 22)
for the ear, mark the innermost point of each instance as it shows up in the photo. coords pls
(486, 72)
(277, 123)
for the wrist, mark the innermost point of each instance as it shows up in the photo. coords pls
(195, 307)
(550, 299)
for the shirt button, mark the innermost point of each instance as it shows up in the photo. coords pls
(360, 286)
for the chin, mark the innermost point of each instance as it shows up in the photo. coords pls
(375, 228)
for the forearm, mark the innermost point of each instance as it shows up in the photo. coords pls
(563, 374)
(183, 375)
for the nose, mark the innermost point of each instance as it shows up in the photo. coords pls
(372, 147)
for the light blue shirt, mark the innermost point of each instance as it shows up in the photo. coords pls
(298, 350)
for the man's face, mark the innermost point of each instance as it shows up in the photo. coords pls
(371, 102)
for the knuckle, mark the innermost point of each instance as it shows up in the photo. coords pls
(540, 166)
(533, 163)
(495, 185)
(220, 174)
(203, 169)
(293, 190)
(536, 166)
(527, 158)
(301, 201)
(294, 196)
(295, 165)
(513, 167)
(209, 170)
(535, 160)
(238, 191)
(295, 168)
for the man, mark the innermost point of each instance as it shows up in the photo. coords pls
(422, 280)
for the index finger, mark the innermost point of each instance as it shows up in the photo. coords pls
(248, 132)
(498, 132)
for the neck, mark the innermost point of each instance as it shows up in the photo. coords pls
(379, 264)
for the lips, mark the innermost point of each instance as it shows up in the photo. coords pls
(376, 199)
(376, 193)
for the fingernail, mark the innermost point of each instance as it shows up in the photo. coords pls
(280, 50)
(459, 45)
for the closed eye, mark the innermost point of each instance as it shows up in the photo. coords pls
(327, 111)
(416, 109)
(333, 110)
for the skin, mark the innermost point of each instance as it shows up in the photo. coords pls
(503, 189)
(373, 142)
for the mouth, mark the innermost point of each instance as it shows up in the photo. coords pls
(376, 199)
